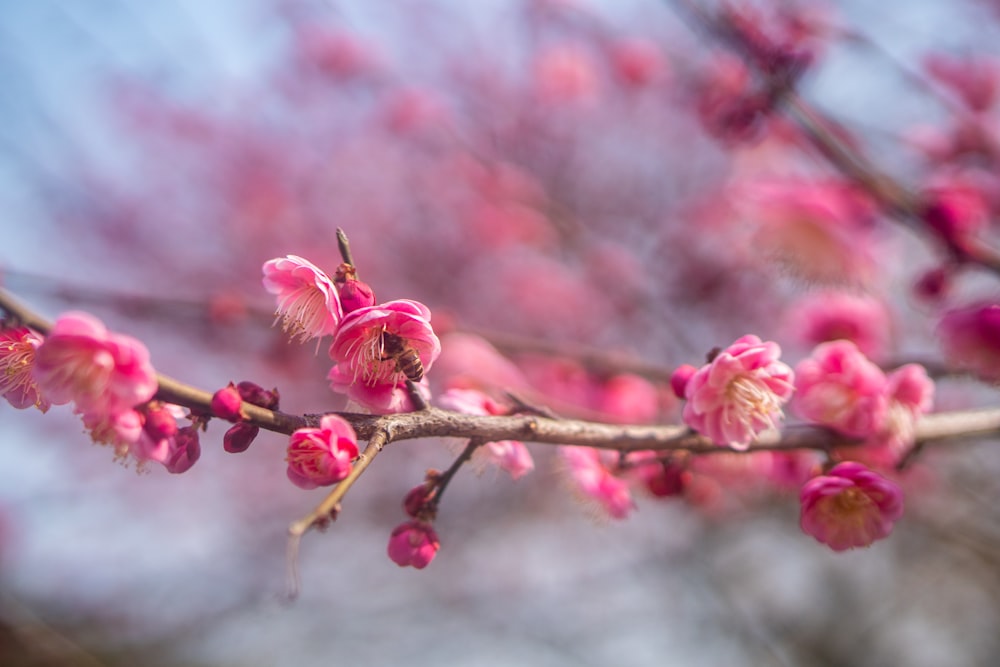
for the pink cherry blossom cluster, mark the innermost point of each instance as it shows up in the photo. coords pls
(376, 348)
(110, 381)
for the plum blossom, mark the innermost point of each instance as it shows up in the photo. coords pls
(819, 231)
(739, 393)
(837, 386)
(373, 348)
(910, 393)
(308, 300)
(829, 315)
(970, 338)
(414, 543)
(509, 455)
(177, 449)
(103, 373)
(17, 361)
(592, 472)
(322, 456)
(850, 506)
(150, 434)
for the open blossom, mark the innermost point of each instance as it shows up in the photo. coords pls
(837, 386)
(308, 300)
(17, 362)
(103, 373)
(592, 473)
(739, 393)
(850, 506)
(414, 543)
(509, 455)
(378, 348)
(322, 456)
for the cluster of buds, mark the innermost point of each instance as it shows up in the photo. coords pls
(414, 543)
(227, 403)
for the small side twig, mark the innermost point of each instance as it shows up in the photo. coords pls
(327, 511)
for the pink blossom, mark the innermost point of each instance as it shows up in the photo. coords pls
(837, 386)
(177, 449)
(565, 75)
(739, 393)
(17, 361)
(975, 80)
(468, 361)
(322, 456)
(819, 231)
(377, 348)
(850, 506)
(103, 373)
(509, 455)
(414, 544)
(629, 399)
(830, 315)
(121, 430)
(956, 209)
(970, 338)
(593, 474)
(638, 62)
(910, 393)
(308, 301)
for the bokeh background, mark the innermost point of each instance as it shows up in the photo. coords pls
(488, 159)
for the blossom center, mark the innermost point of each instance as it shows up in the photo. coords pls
(307, 313)
(754, 400)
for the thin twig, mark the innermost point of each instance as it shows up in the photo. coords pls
(328, 510)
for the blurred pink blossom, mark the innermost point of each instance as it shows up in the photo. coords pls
(739, 393)
(308, 301)
(910, 394)
(820, 231)
(18, 347)
(828, 315)
(850, 506)
(565, 74)
(970, 337)
(975, 80)
(638, 62)
(837, 386)
(103, 373)
(509, 455)
(592, 473)
(322, 456)
(414, 544)
(177, 449)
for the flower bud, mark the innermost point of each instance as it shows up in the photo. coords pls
(413, 543)
(238, 438)
(226, 404)
(186, 451)
(253, 393)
